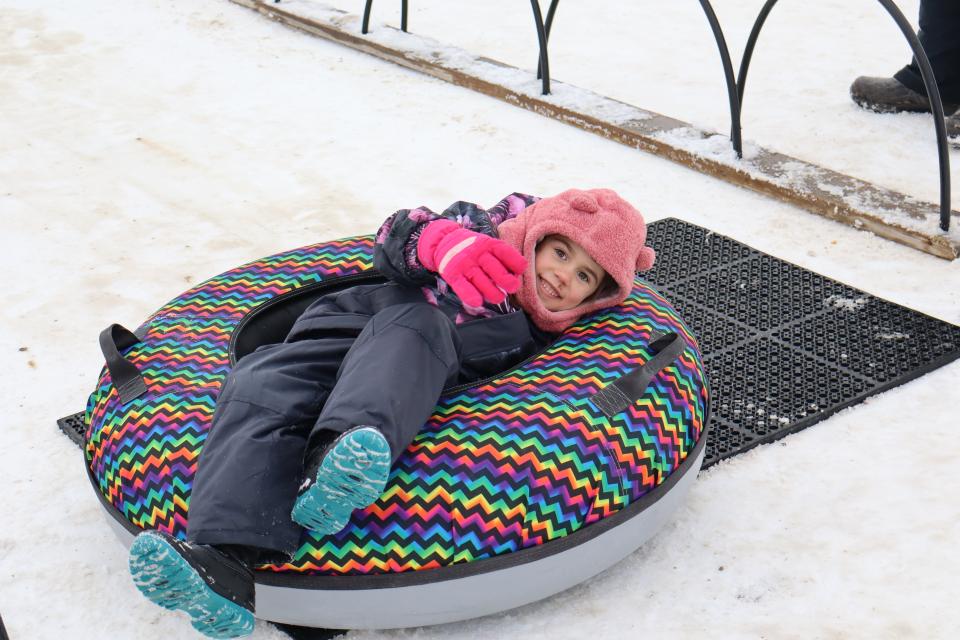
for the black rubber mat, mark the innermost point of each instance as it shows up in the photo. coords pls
(74, 426)
(785, 348)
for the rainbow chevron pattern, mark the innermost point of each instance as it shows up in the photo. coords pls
(505, 465)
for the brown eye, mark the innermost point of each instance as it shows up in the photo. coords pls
(560, 253)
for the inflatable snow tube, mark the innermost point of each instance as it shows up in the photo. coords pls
(518, 486)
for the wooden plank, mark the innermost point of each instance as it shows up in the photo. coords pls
(884, 212)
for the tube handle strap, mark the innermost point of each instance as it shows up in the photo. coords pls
(126, 378)
(630, 387)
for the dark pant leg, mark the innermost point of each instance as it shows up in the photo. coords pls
(940, 36)
(394, 373)
(251, 465)
(252, 462)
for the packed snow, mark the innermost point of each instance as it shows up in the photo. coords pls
(149, 145)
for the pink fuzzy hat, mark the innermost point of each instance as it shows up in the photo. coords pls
(601, 222)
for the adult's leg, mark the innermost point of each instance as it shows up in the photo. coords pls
(940, 36)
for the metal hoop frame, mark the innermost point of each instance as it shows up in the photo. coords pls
(736, 84)
(929, 82)
(543, 70)
(366, 16)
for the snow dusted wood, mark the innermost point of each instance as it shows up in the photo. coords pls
(887, 213)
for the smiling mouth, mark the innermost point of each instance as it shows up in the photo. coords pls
(548, 289)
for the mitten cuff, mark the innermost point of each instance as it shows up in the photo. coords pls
(430, 239)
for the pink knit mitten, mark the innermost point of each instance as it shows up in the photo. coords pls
(476, 266)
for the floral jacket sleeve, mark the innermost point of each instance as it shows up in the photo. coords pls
(395, 248)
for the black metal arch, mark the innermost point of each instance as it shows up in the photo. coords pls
(543, 71)
(551, 12)
(543, 62)
(929, 82)
(366, 16)
(543, 32)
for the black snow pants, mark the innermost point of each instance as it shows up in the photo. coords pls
(370, 355)
(940, 36)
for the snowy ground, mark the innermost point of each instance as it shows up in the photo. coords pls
(149, 145)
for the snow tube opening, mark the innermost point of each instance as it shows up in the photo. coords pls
(517, 487)
(271, 322)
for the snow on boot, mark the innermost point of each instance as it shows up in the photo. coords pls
(888, 95)
(214, 588)
(351, 475)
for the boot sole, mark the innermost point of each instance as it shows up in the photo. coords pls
(890, 107)
(885, 107)
(351, 476)
(165, 578)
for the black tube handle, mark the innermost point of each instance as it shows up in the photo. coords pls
(126, 378)
(630, 387)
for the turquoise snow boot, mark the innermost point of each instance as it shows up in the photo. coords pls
(351, 475)
(211, 586)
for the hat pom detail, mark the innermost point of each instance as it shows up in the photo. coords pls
(585, 203)
(646, 258)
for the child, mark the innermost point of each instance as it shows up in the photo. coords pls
(305, 431)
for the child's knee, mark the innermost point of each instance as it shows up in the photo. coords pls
(426, 321)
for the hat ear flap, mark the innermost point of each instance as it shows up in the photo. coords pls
(646, 258)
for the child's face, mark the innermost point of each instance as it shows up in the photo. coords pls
(566, 274)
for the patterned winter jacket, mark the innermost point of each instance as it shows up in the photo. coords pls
(395, 250)
(493, 337)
